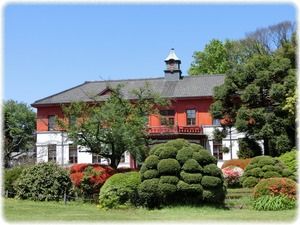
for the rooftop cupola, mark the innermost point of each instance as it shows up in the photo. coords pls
(172, 71)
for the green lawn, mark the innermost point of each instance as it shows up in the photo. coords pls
(24, 211)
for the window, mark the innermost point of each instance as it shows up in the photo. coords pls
(167, 117)
(73, 153)
(96, 158)
(216, 121)
(217, 151)
(51, 123)
(72, 121)
(191, 117)
(51, 153)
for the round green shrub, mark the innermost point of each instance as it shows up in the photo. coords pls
(215, 195)
(155, 150)
(257, 172)
(184, 154)
(149, 194)
(149, 174)
(168, 167)
(167, 189)
(191, 178)
(203, 157)
(120, 191)
(178, 143)
(213, 170)
(43, 182)
(151, 162)
(189, 188)
(168, 152)
(211, 182)
(169, 179)
(191, 165)
(270, 174)
(250, 182)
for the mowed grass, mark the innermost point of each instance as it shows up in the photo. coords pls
(25, 211)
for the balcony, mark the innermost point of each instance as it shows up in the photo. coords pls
(175, 130)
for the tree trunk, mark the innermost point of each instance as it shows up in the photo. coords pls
(266, 146)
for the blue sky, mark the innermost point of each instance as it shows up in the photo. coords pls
(48, 48)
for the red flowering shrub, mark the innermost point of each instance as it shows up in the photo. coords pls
(89, 178)
(242, 163)
(232, 175)
(276, 186)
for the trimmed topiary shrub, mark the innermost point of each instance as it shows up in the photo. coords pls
(120, 191)
(183, 172)
(263, 167)
(43, 182)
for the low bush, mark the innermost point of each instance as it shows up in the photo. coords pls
(276, 186)
(263, 167)
(88, 178)
(43, 182)
(232, 176)
(149, 194)
(10, 176)
(242, 163)
(290, 160)
(120, 191)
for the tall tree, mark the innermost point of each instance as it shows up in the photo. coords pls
(213, 60)
(19, 128)
(115, 126)
(255, 94)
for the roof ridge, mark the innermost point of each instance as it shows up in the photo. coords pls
(58, 93)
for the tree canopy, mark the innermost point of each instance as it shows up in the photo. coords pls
(115, 126)
(257, 95)
(19, 128)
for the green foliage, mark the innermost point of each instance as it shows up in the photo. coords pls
(248, 148)
(120, 191)
(213, 59)
(149, 193)
(151, 162)
(211, 182)
(274, 203)
(43, 182)
(263, 167)
(258, 94)
(178, 178)
(10, 176)
(18, 128)
(290, 159)
(111, 128)
(168, 167)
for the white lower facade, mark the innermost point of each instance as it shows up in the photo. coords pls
(55, 146)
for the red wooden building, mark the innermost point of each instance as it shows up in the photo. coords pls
(191, 97)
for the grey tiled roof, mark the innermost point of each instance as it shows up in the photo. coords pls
(188, 86)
